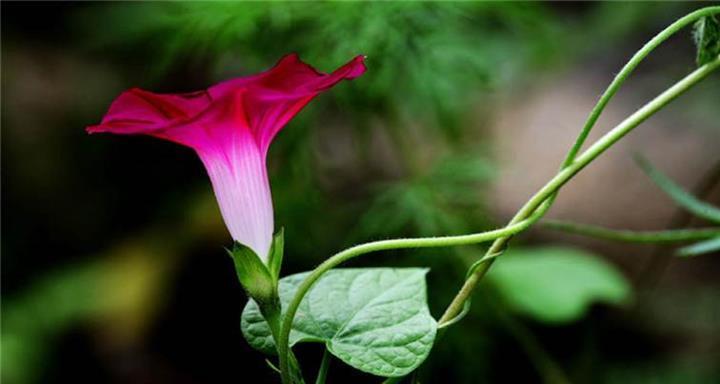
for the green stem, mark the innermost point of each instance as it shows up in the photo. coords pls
(324, 366)
(626, 70)
(271, 313)
(620, 78)
(573, 168)
(668, 236)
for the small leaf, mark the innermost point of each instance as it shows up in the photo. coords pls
(703, 247)
(707, 39)
(556, 284)
(679, 195)
(374, 319)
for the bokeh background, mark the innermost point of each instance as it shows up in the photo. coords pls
(112, 262)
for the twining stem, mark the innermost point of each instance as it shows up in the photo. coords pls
(668, 236)
(611, 90)
(573, 168)
(534, 208)
(628, 68)
(620, 78)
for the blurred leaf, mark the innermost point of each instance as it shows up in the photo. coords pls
(374, 319)
(119, 293)
(703, 247)
(679, 195)
(556, 284)
(610, 23)
(21, 356)
(446, 199)
(707, 39)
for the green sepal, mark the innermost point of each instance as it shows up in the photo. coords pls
(253, 275)
(276, 254)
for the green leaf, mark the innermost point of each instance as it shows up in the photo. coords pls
(707, 39)
(703, 247)
(374, 319)
(556, 284)
(679, 195)
(252, 273)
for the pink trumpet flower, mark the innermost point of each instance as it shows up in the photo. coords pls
(230, 126)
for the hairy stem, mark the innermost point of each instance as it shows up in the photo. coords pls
(620, 78)
(628, 68)
(571, 170)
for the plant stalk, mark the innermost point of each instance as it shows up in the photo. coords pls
(571, 170)
(535, 208)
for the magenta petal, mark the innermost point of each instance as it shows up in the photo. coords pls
(276, 96)
(231, 126)
(141, 112)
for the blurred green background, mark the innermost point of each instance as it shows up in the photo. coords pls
(112, 261)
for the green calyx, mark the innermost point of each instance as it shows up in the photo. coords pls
(260, 281)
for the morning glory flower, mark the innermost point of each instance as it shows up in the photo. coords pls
(230, 126)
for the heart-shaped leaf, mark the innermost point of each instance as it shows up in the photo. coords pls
(374, 319)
